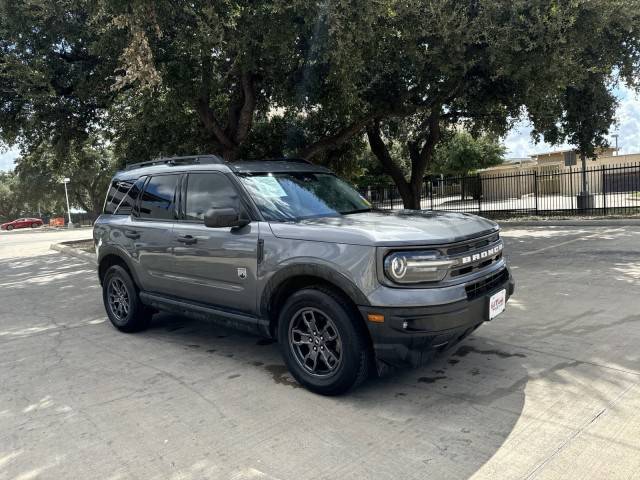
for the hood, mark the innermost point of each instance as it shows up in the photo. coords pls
(387, 228)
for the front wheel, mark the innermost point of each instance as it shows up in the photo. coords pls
(122, 303)
(9, 228)
(322, 342)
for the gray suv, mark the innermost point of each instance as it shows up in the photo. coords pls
(285, 249)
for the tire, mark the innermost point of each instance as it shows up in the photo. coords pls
(336, 365)
(122, 303)
(34, 225)
(9, 228)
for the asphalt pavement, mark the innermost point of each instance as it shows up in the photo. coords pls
(549, 389)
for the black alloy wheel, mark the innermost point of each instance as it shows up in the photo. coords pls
(324, 341)
(315, 341)
(122, 303)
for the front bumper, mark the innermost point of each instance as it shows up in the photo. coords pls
(411, 335)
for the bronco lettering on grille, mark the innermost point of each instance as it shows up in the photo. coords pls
(480, 255)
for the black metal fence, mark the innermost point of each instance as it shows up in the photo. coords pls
(613, 190)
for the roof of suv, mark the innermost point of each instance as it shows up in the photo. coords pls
(214, 163)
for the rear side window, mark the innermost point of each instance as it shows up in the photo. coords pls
(208, 190)
(128, 202)
(158, 199)
(122, 196)
(114, 196)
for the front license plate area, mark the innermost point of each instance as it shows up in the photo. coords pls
(497, 302)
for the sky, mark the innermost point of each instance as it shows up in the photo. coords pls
(518, 141)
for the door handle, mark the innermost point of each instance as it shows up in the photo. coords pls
(131, 234)
(187, 239)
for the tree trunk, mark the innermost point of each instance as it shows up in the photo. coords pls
(227, 139)
(414, 202)
(230, 154)
(410, 191)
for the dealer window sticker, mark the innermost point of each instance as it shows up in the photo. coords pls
(268, 186)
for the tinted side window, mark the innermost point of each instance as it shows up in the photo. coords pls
(129, 200)
(208, 190)
(158, 198)
(110, 203)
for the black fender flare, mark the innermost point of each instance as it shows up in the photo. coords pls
(123, 255)
(323, 272)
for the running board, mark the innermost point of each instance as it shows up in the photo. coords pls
(239, 321)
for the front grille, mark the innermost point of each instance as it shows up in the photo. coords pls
(477, 289)
(472, 245)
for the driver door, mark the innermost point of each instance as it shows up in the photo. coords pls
(215, 266)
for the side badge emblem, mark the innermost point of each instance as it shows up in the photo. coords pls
(242, 273)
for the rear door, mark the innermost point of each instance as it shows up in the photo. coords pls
(216, 266)
(151, 229)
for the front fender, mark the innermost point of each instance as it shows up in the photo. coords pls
(324, 272)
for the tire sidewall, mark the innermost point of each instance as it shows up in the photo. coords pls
(347, 372)
(10, 227)
(121, 273)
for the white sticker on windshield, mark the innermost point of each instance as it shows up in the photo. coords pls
(268, 186)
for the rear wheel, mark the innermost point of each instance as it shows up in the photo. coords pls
(322, 342)
(34, 225)
(122, 303)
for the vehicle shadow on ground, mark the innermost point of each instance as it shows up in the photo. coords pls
(451, 415)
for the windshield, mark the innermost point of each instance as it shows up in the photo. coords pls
(295, 196)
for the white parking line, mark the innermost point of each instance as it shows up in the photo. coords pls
(548, 247)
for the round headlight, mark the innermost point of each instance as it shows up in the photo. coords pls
(398, 267)
(416, 266)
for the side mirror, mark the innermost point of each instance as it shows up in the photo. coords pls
(224, 217)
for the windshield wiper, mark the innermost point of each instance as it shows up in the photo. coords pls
(362, 210)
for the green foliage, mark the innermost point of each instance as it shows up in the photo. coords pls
(89, 166)
(266, 78)
(600, 47)
(56, 66)
(10, 201)
(462, 154)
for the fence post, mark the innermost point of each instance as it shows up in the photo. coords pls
(479, 191)
(604, 190)
(431, 193)
(573, 199)
(535, 188)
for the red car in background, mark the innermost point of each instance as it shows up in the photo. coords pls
(22, 223)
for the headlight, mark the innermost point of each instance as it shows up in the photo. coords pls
(416, 267)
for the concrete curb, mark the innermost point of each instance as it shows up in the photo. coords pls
(74, 252)
(621, 222)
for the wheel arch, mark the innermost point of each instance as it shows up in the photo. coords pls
(297, 277)
(113, 256)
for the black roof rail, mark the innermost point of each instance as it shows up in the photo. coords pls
(186, 160)
(279, 159)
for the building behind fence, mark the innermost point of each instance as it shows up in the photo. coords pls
(547, 191)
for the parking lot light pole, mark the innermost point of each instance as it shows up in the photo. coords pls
(66, 194)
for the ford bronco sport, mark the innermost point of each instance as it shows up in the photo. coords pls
(287, 250)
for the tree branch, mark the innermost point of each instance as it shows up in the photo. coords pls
(381, 151)
(245, 119)
(421, 157)
(337, 139)
(205, 113)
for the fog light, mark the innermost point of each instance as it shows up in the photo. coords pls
(405, 325)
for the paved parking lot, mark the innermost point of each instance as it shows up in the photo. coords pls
(550, 389)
